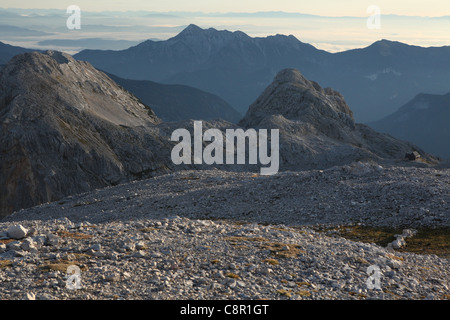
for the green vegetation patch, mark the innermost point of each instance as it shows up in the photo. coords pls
(426, 241)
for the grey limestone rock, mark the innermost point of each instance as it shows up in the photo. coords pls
(67, 128)
(317, 128)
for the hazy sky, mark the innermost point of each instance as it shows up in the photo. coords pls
(322, 30)
(318, 7)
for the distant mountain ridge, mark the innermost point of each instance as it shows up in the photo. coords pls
(179, 102)
(232, 65)
(374, 80)
(425, 121)
(8, 51)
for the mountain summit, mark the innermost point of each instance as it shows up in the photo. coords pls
(317, 128)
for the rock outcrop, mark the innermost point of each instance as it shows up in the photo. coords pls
(317, 128)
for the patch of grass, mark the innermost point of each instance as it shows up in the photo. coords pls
(426, 241)
(304, 293)
(272, 262)
(429, 241)
(358, 295)
(6, 241)
(301, 284)
(60, 266)
(282, 250)
(74, 235)
(5, 263)
(379, 236)
(242, 238)
(393, 294)
(284, 293)
(239, 242)
(232, 275)
(360, 260)
(394, 257)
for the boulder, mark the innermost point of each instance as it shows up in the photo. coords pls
(17, 232)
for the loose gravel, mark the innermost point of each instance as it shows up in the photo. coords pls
(221, 235)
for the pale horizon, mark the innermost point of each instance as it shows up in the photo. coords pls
(324, 24)
(331, 8)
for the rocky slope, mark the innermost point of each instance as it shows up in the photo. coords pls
(67, 128)
(219, 235)
(68, 132)
(317, 128)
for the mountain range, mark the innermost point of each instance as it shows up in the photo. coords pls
(68, 128)
(375, 80)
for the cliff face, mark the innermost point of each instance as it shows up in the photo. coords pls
(67, 128)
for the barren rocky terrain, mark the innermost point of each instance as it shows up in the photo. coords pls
(211, 234)
(346, 216)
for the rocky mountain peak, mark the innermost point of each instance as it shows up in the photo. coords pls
(56, 76)
(297, 98)
(290, 76)
(36, 61)
(67, 128)
(191, 29)
(316, 126)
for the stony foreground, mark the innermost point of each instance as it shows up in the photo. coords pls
(220, 235)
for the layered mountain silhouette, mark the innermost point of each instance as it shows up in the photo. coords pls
(169, 102)
(375, 80)
(67, 128)
(425, 121)
(232, 65)
(179, 102)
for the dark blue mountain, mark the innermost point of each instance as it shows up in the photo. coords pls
(179, 102)
(424, 121)
(8, 51)
(374, 80)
